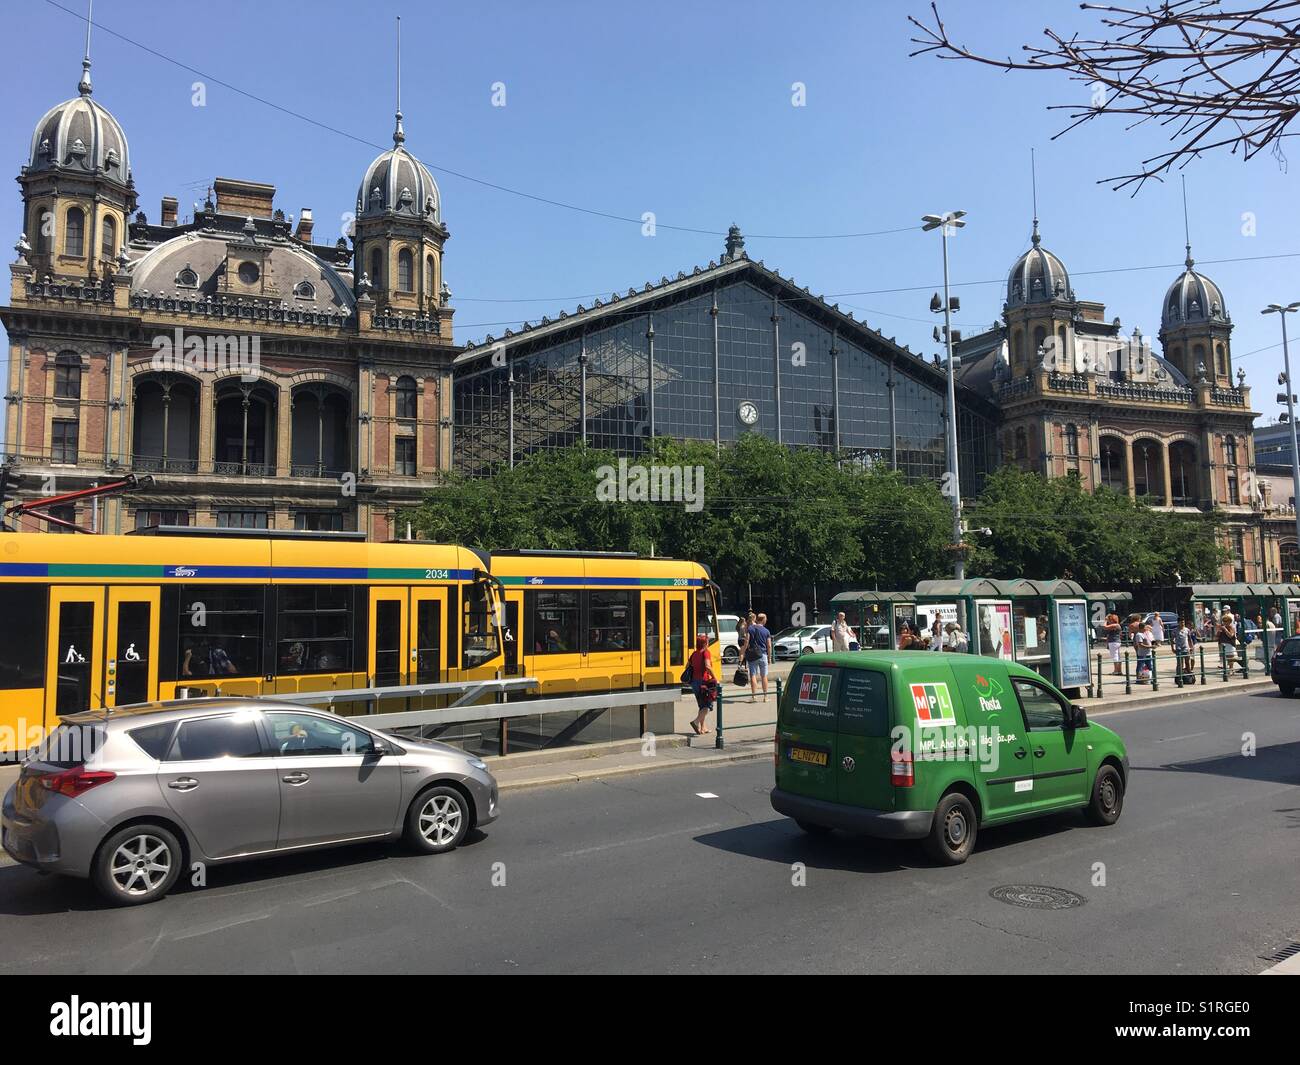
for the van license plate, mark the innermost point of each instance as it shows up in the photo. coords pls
(809, 757)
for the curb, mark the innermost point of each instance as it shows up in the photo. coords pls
(1138, 702)
(761, 749)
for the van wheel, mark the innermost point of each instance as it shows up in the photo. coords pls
(136, 865)
(437, 820)
(814, 830)
(1286, 690)
(1107, 797)
(952, 835)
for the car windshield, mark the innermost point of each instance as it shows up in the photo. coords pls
(1290, 646)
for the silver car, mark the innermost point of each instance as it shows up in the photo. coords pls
(131, 798)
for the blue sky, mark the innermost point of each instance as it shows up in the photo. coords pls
(683, 109)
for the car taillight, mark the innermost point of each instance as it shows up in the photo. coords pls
(902, 773)
(77, 781)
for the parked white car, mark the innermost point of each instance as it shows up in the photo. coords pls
(729, 637)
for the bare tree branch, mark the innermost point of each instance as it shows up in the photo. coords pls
(1215, 78)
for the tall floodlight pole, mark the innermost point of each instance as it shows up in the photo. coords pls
(945, 222)
(1282, 312)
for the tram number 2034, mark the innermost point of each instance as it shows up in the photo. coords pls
(437, 574)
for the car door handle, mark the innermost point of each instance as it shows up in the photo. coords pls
(295, 778)
(1039, 752)
(183, 784)
(1021, 753)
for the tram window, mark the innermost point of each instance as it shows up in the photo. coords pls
(220, 631)
(553, 622)
(428, 634)
(388, 643)
(22, 636)
(313, 629)
(132, 652)
(676, 633)
(652, 633)
(610, 623)
(705, 620)
(480, 643)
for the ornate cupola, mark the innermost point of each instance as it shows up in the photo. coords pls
(1195, 327)
(398, 236)
(1039, 311)
(77, 186)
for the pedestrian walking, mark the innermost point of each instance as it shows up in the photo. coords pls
(841, 634)
(936, 635)
(758, 648)
(1157, 628)
(1226, 633)
(1145, 642)
(703, 683)
(1184, 638)
(1113, 632)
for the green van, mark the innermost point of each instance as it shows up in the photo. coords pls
(934, 746)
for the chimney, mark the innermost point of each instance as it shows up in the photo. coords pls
(303, 232)
(169, 210)
(243, 198)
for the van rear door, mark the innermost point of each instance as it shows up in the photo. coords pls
(806, 756)
(862, 739)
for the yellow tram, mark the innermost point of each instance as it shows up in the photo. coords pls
(89, 622)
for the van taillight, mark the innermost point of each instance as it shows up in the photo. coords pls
(74, 782)
(902, 774)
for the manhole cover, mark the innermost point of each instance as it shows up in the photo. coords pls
(1037, 896)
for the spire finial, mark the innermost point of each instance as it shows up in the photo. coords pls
(84, 86)
(1187, 231)
(399, 134)
(1033, 183)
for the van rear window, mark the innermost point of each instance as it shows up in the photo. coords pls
(809, 701)
(864, 703)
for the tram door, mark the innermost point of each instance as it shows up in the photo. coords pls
(654, 657)
(74, 651)
(428, 647)
(389, 646)
(131, 649)
(678, 647)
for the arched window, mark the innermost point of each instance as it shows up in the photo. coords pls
(377, 268)
(1022, 445)
(405, 399)
(74, 236)
(405, 271)
(1113, 463)
(1221, 360)
(428, 276)
(1198, 359)
(1230, 450)
(1040, 335)
(1072, 441)
(108, 242)
(1290, 561)
(67, 375)
(187, 278)
(1176, 357)
(305, 290)
(1017, 348)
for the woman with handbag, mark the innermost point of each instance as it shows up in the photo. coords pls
(703, 682)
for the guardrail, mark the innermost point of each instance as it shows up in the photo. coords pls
(464, 710)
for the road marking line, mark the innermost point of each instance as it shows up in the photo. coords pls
(705, 795)
(1175, 739)
(219, 927)
(642, 839)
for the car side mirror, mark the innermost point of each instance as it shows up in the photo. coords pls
(1078, 716)
(378, 749)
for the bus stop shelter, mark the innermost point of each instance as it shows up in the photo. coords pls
(1254, 605)
(875, 616)
(1042, 624)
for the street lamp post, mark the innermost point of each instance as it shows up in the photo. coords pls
(1282, 312)
(944, 222)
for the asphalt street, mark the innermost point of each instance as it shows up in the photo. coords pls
(691, 871)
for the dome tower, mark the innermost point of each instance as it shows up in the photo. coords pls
(77, 186)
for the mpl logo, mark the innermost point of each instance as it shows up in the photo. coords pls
(987, 690)
(933, 704)
(183, 571)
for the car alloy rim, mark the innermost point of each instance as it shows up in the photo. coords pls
(140, 864)
(955, 828)
(440, 819)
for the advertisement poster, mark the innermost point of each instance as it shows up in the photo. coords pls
(994, 629)
(1072, 643)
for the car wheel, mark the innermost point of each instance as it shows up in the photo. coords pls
(137, 864)
(730, 655)
(806, 651)
(1286, 690)
(813, 830)
(437, 820)
(952, 835)
(1107, 801)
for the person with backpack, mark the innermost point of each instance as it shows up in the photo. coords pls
(758, 647)
(703, 682)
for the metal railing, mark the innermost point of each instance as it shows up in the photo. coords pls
(465, 708)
